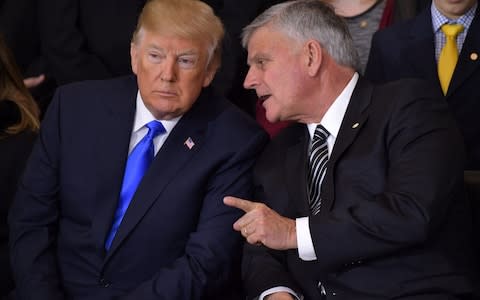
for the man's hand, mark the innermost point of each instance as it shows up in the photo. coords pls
(280, 296)
(262, 225)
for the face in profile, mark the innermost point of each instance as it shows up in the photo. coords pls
(276, 73)
(171, 72)
(454, 9)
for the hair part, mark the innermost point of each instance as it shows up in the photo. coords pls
(303, 20)
(12, 88)
(190, 19)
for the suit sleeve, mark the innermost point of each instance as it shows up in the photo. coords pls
(206, 269)
(263, 268)
(65, 44)
(33, 218)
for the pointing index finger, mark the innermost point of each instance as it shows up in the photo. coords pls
(242, 204)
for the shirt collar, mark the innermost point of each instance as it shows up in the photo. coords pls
(438, 19)
(332, 120)
(144, 116)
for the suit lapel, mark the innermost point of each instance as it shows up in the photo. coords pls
(164, 169)
(111, 149)
(353, 121)
(420, 51)
(466, 65)
(296, 162)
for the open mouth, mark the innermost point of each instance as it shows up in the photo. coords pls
(263, 98)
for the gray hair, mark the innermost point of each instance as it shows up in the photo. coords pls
(309, 19)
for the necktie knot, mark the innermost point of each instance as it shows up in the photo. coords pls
(320, 135)
(154, 128)
(452, 30)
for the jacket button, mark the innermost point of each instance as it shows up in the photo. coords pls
(104, 283)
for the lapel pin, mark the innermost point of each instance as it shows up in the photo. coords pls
(473, 56)
(189, 143)
(355, 125)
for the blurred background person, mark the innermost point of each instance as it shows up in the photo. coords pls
(365, 17)
(18, 126)
(20, 28)
(413, 49)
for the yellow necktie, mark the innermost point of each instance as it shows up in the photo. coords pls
(449, 55)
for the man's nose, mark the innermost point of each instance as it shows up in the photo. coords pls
(168, 72)
(250, 81)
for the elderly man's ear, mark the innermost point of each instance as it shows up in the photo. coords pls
(313, 53)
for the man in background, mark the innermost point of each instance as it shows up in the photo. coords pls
(416, 49)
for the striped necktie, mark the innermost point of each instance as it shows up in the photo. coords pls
(318, 166)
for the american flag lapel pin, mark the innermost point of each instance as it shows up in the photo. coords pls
(189, 143)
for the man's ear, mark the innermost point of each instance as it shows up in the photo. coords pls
(134, 57)
(313, 54)
(210, 74)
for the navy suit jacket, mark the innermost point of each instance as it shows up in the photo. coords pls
(392, 222)
(408, 50)
(176, 240)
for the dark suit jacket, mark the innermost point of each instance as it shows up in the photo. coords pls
(392, 222)
(176, 240)
(408, 50)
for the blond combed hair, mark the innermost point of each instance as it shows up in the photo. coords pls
(12, 88)
(190, 19)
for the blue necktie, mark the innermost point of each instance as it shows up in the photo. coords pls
(137, 164)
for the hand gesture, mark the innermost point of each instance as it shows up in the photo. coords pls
(262, 225)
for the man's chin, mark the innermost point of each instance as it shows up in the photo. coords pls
(273, 119)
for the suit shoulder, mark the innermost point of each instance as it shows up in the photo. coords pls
(239, 122)
(394, 33)
(222, 113)
(415, 87)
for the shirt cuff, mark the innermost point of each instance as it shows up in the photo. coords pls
(304, 240)
(278, 289)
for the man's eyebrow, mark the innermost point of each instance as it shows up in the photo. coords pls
(155, 47)
(256, 57)
(188, 52)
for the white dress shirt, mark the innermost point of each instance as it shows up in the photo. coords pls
(142, 117)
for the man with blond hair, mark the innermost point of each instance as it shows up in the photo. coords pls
(122, 196)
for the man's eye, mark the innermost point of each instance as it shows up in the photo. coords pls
(260, 63)
(155, 57)
(186, 62)
(261, 60)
